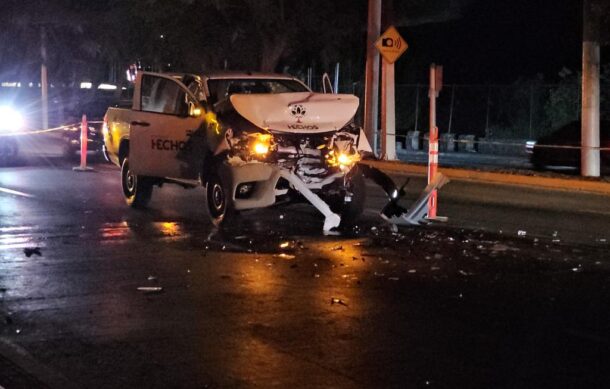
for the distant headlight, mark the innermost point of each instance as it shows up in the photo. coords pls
(10, 119)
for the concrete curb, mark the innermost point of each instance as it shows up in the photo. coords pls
(575, 185)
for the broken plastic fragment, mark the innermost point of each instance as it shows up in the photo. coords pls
(285, 256)
(335, 300)
(412, 271)
(521, 233)
(150, 289)
(337, 248)
(152, 278)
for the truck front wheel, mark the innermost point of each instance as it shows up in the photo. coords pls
(137, 190)
(218, 200)
(350, 211)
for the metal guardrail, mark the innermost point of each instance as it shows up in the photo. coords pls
(515, 144)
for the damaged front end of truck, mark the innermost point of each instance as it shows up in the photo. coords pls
(287, 147)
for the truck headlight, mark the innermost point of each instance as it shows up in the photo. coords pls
(252, 146)
(343, 152)
(261, 144)
(10, 119)
(342, 159)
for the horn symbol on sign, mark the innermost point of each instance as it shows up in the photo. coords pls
(398, 43)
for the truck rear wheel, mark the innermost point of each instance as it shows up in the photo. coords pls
(137, 190)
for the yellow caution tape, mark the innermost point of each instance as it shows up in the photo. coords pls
(34, 132)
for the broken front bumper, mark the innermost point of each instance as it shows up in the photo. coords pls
(261, 180)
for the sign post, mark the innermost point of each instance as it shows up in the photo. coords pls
(436, 84)
(391, 46)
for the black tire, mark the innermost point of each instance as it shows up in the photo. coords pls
(350, 211)
(218, 200)
(137, 190)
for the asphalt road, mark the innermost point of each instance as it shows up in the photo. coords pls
(271, 302)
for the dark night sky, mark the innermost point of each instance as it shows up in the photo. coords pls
(499, 42)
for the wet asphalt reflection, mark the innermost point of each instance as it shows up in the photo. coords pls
(106, 296)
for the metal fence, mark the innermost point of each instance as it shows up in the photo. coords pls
(520, 111)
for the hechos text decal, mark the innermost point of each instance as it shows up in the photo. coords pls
(167, 144)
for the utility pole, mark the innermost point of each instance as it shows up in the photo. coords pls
(44, 82)
(388, 99)
(371, 86)
(590, 91)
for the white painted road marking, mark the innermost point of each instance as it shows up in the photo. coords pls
(16, 193)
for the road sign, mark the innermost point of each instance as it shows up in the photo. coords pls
(391, 45)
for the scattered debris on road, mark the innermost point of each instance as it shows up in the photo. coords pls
(285, 256)
(335, 300)
(29, 251)
(150, 289)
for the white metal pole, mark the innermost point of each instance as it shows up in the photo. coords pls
(590, 158)
(44, 81)
(371, 86)
(336, 80)
(416, 107)
(388, 111)
(451, 108)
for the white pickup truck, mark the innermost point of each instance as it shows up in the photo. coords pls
(250, 139)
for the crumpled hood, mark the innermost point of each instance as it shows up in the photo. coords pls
(302, 112)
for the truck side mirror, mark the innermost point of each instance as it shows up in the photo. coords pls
(194, 110)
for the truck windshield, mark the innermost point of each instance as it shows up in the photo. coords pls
(221, 89)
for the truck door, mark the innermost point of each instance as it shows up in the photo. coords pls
(161, 124)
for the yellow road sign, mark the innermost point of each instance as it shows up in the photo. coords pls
(391, 45)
